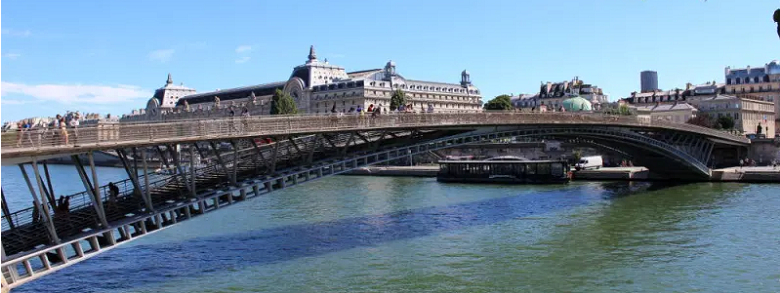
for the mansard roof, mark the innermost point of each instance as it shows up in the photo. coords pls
(234, 93)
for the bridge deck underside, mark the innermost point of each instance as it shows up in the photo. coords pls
(78, 222)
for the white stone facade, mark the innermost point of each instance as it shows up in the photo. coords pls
(320, 87)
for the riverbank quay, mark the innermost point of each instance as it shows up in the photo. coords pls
(733, 174)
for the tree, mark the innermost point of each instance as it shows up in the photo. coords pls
(282, 103)
(398, 99)
(726, 122)
(577, 156)
(702, 120)
(501, 103)
(624, 110)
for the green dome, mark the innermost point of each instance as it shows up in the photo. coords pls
(577, 104)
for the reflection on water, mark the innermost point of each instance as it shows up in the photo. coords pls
(408, 234)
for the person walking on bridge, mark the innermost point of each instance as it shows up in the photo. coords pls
(113, 193)
(74, 123)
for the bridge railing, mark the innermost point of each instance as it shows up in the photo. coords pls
(137, 133)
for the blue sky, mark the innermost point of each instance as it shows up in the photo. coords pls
(109, 56)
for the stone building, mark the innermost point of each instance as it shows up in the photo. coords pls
(708, 98)
(167, 97)
(320, 87)
(758, 83)
(551, 95)
(674, 112)
(747, 113)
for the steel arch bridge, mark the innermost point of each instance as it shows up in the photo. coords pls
(244, 163)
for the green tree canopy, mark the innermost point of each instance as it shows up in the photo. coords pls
(702, 120)
(502, 102)
(726, 122)
(283, 104)
(398, 99)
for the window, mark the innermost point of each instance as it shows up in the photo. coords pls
(728, 81)
(755, 79)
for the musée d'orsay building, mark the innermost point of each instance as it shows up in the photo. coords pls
(317, 86)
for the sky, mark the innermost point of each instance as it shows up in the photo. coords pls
(110, 56)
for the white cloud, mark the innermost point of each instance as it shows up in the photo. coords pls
(243, 49)
(12, 56)
(16, 102)
(163, 55)
(68, 94)
(243, 59)
(17, 33)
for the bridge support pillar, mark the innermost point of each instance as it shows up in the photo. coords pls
(192, 172)
(132, 173)
(242, 194)
(11, 272)
(221, 162)
(202, 206)
(6, 211)
(40, 204)
(319, 172)
(269, 187)
(256, 190)
(94, 196)
(179, 170)
(147, 193)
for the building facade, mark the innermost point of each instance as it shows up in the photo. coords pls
(761, 83)
(674, 112)
(748, 114)
(649, 80)
(551, 95)
(166, 97)
(320, 87)
(709, 98)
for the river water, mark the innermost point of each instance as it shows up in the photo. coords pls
(379, 234)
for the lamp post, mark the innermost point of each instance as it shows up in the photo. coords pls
(776, 17)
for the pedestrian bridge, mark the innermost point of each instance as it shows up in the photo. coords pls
(217, 163)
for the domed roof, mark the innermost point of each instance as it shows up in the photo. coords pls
(577, 104)
(465, 72)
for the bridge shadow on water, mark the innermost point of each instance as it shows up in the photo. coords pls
(139, 266)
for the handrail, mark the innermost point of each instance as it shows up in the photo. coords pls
(103, 136)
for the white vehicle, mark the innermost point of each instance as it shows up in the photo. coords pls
(592, 162)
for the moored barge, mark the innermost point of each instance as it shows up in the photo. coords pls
(504, 171)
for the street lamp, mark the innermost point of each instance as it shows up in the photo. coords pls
(776, 17)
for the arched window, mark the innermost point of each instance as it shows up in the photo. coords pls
(755, 79)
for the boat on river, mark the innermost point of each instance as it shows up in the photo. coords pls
(504, 170)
